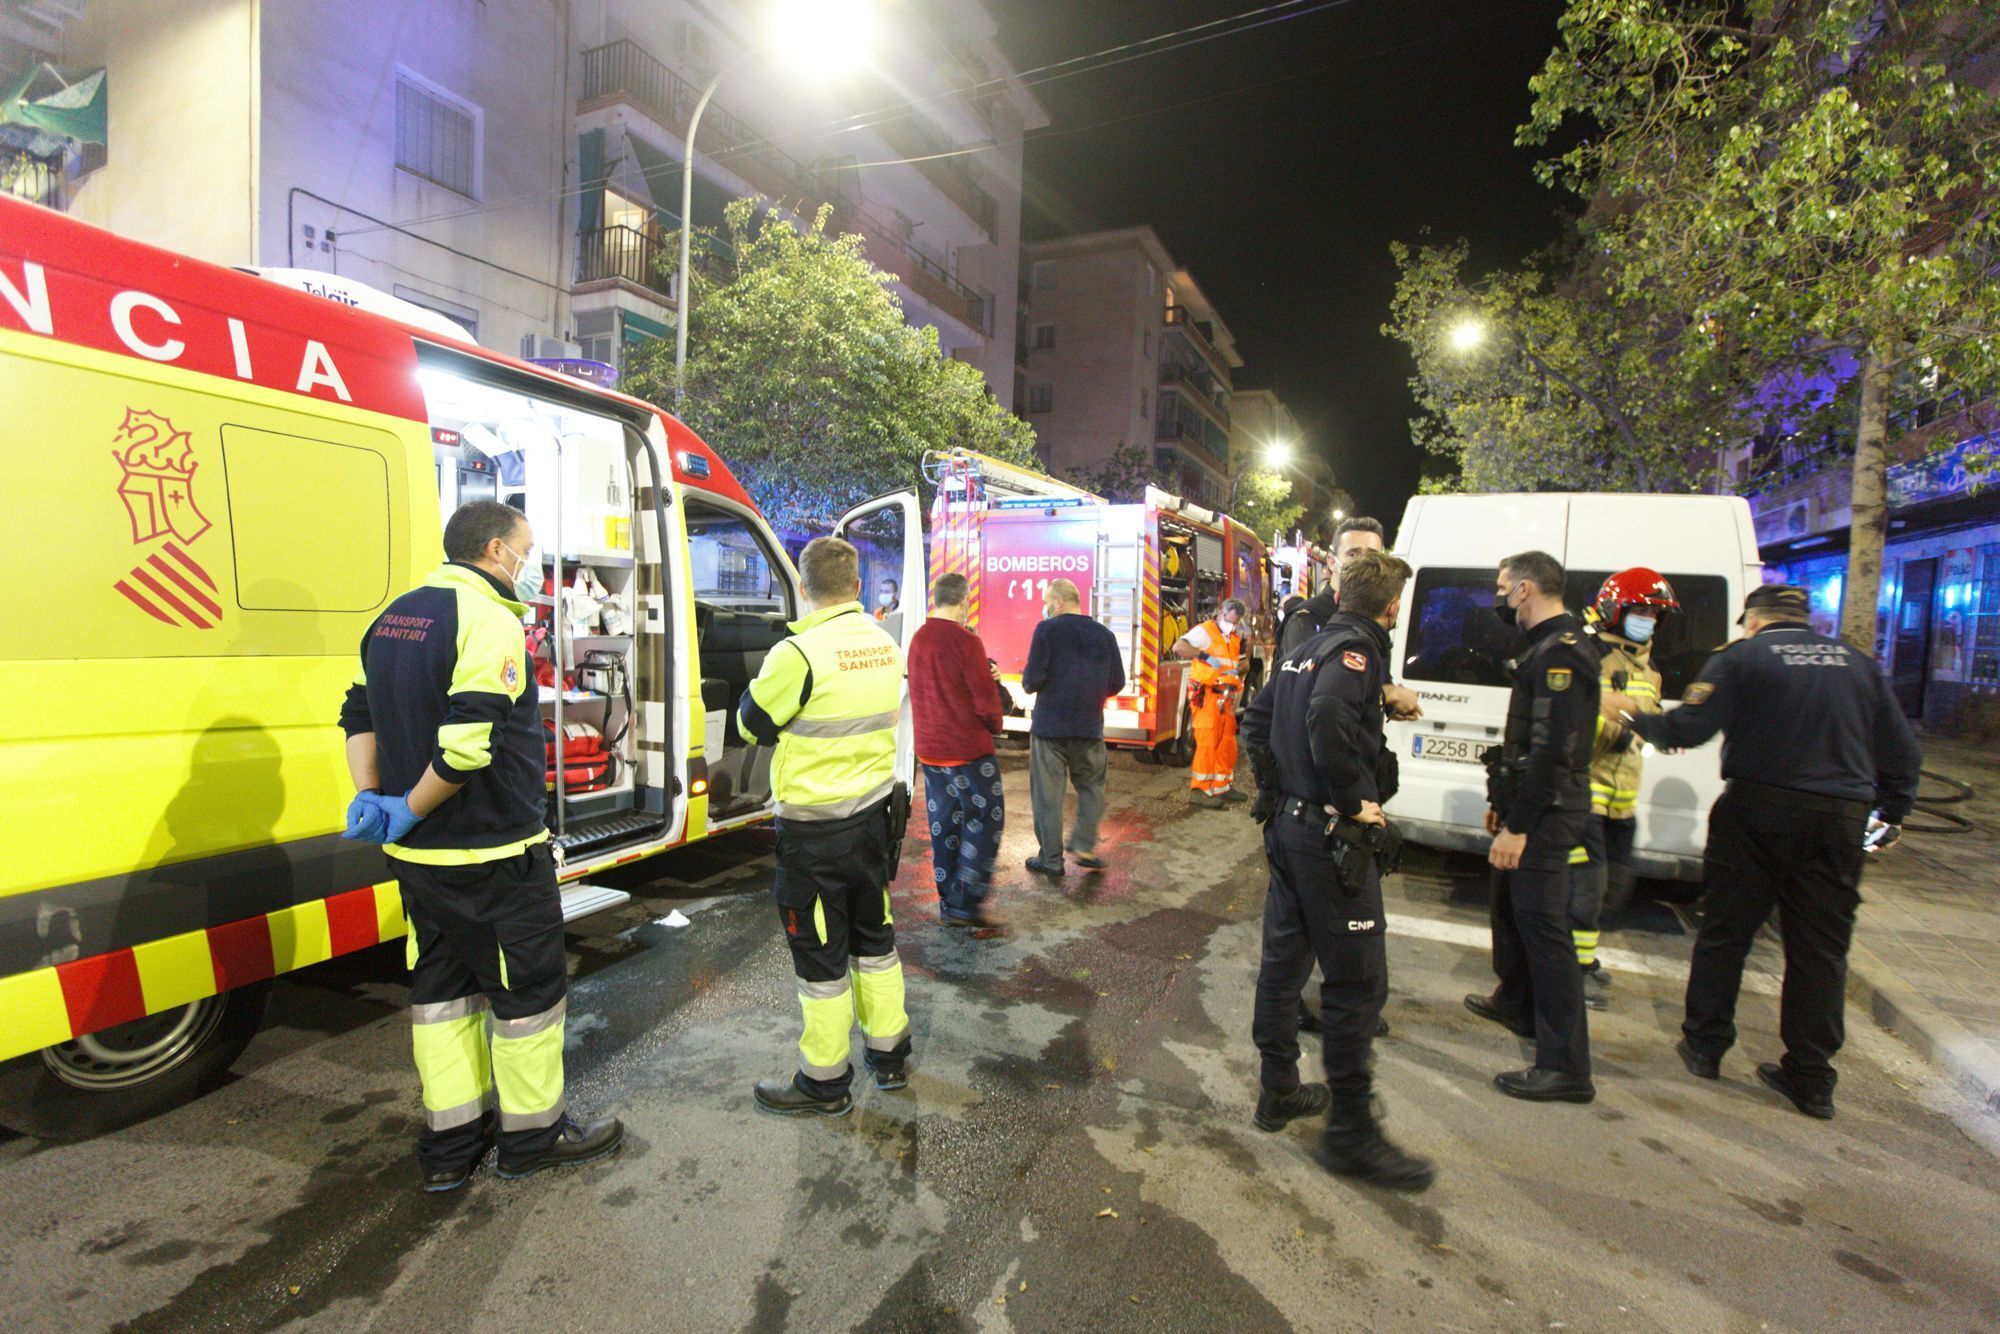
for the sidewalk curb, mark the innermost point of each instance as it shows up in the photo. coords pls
(1896, 1006)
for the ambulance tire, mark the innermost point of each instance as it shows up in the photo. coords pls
(85, 1088)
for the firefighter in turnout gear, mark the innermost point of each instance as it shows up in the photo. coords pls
(1627, 613)
(828, 699)
(1538, 798)
(1215, 683)
(1323, 771)
(444, 742)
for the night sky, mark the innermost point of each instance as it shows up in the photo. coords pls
(1325, 137)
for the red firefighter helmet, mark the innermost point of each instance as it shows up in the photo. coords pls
(1630, 589)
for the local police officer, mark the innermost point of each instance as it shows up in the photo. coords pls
(1316, 747)
(1539, 798)
(828, 699)
(1812, 741)
(444, 742)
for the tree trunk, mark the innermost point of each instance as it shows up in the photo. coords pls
(1863, 584)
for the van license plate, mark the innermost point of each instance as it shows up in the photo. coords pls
(1448, 748)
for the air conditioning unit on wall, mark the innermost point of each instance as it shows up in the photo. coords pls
(541, 347)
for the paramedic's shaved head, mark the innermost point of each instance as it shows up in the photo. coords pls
(474, 527)
(1062, 597)
(830, 570)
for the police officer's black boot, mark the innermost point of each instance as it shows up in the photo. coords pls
(1275, 1111)
(1354, 1146)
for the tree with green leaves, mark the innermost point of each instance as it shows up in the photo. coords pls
(1534, 378)
(1800, 179)
(1123, 475)
(1263, 503)
(802, 371)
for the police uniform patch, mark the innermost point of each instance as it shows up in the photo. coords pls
(1355, 660)
(1557, 678)
(1698, 692)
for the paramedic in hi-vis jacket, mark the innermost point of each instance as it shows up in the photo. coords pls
(444, 740)
(1216, 649)
(828, 699)
(1629, 609)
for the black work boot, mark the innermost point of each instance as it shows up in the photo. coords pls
(437, 1180)
(575, 1142)
(1816, 1103)
(784, 1097)
(890, 1069)
(1353, 1146)
(1275, 1111)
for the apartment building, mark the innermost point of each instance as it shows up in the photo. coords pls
(516, 164)
(1121, 349)
(1264, 436)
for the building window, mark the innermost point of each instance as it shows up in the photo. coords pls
(437, 135)
(1142, 405)
(1045, 336)
(1041, 398)
(1045, 275)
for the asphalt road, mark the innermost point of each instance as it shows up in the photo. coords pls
(1097, 1059)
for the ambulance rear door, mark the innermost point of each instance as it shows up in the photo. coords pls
(888, 531)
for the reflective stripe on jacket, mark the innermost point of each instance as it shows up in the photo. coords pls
(1617, 760)
(828, 699)
(1228, 646)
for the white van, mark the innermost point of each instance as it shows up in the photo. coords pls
(1452, 650)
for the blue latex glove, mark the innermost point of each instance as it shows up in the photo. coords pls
(401, 818)
(367, 822)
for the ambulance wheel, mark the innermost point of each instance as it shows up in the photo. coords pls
(107, 1080)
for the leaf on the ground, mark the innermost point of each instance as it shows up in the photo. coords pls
(1111, 1063)
(1001, 1300)
(1183, 956)
(1107, 1213)
(1024, 1285)
(1052, 1086)
(1443, 1249)
(295, 1289)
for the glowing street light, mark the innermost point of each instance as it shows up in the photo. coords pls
(1466, 334)
(1278, 454)
(811, 36)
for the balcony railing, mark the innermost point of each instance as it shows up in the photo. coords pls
(1199, 387)
(912, 138)
(1177, 320)
(613, 253)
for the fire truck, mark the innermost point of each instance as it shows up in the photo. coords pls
(1150, 570)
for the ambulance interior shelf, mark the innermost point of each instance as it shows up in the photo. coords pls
(567, 470)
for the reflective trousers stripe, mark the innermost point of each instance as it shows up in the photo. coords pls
(1579, 856)
(528, 1073)
(454, 1065)
(878, 1000)
(532, 1024)
(1586, 946)
(444, 1012)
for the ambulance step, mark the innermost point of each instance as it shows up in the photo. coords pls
(581, 900)
(582, 837)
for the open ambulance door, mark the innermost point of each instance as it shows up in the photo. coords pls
(888, 531)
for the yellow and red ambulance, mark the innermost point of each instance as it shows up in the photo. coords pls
(214, 482)
(1150, 570)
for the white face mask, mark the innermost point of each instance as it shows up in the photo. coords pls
(885, 599)
(1639, 627)
(527, 576)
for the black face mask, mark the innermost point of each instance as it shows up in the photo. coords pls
(1503, 611)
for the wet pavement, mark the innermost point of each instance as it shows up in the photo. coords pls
(1073, 1151)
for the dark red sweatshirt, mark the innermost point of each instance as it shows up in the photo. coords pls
(954, 700)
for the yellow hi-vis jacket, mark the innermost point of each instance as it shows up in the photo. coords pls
(1617, 759)
(828, 699)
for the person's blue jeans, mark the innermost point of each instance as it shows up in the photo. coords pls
(967, 809)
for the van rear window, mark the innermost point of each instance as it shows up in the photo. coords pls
(1456, 639)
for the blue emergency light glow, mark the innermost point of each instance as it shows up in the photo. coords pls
(1036, 503)
(693, 464)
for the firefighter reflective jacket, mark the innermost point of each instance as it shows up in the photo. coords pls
(828, 699)
(445, 684)
(1616, 760)
(1208, 637)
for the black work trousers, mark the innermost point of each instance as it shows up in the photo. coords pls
(1308, 916)
(1806, 863)
(1534, 954)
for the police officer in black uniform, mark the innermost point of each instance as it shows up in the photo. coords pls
(1538, 791)
(1314, 738)
(1812, 743)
